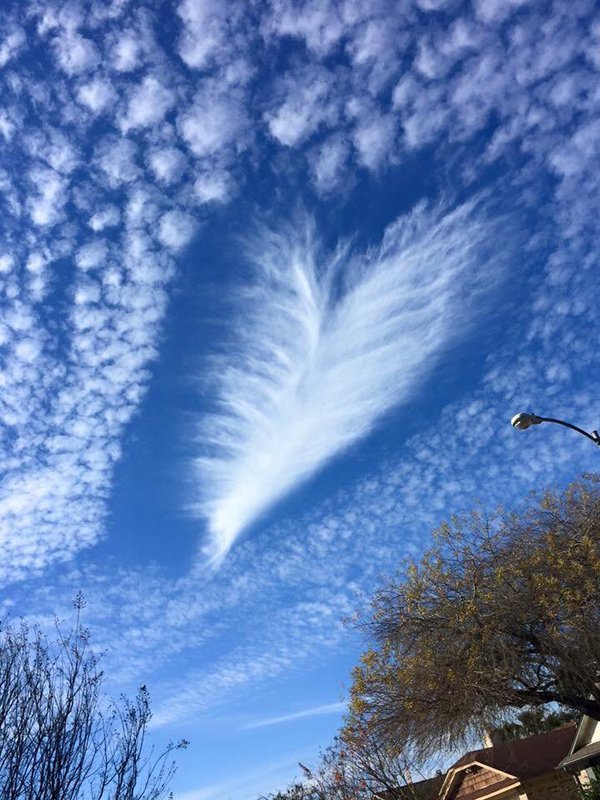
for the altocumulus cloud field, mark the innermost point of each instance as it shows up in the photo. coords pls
(194, 371)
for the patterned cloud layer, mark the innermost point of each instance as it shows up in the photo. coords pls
(120, 134)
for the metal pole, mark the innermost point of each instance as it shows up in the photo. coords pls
(593, 436)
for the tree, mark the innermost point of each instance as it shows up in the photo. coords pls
(529, 722)
(355, 767)
(297, 791)
(60, 737)
(590, 790)
(501, 614)
(348, 770)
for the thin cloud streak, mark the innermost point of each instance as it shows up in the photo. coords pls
(250, 783)
(326, 344)
(317, 711)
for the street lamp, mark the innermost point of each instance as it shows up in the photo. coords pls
(523, 421)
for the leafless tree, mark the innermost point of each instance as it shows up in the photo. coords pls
(356, 766)
(61, 738)
(359, 765)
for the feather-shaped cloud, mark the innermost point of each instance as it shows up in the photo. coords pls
(326, 344)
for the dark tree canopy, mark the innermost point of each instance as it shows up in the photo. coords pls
(529, 722)
(60, 737)
(500, 615)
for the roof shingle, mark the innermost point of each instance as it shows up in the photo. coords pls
(525, 758)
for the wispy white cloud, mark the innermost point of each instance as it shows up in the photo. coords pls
(315, 711)
(214, 122)
(126, 53)
(281, 646)
(148, 103)
(252, 782)
(212, 187)
(328, 163)
(319, 24)
(374, 140)
(327, 344)
(180, 116)
(74, 52)
(310, 100)
(176, 229)
(205, 31)
(74, 371)
(167, 164)
(10, 45)
(96, 95)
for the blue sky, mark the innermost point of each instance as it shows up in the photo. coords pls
(274, 278)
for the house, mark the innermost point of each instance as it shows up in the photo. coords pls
(524, 769)
(583, 758)
(428, 789)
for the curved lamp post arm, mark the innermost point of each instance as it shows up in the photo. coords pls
(523, 421)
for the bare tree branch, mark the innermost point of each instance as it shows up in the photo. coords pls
(60, 737)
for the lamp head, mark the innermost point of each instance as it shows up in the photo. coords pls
(523, 421)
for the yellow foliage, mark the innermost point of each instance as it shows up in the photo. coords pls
(501, 611)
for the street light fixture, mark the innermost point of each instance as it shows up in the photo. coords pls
(523, 421)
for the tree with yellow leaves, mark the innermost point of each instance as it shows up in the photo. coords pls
(501, 614)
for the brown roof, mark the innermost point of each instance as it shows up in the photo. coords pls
(427, 789)
(525, 758)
